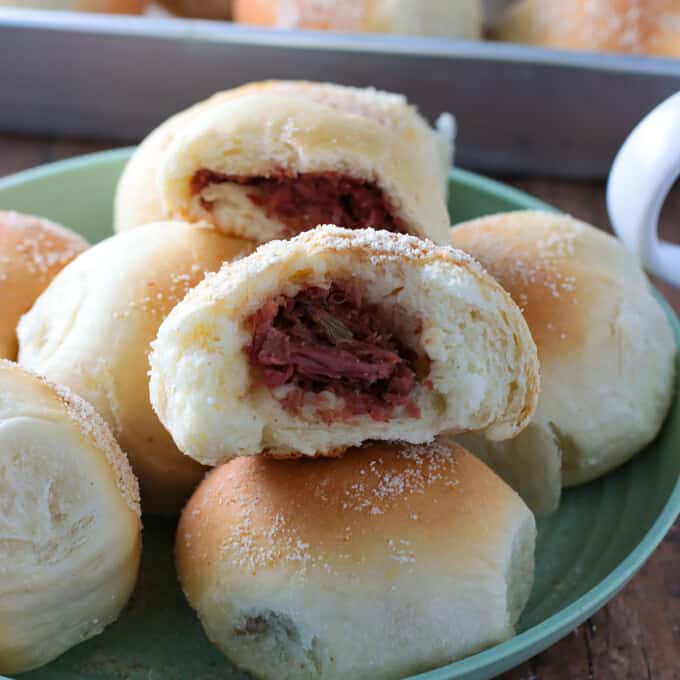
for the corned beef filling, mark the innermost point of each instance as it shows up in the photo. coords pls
(324, 340)
(304, 201)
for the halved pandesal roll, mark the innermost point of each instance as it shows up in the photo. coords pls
(606, 349)
(70, 531)
(336, 337)
(91, 330)
(32, 251)
(389, 561)
(271, 159)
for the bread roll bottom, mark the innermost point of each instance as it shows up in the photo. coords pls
(326, 344)
(298, 201)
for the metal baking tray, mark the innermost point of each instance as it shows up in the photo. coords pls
(519, 109)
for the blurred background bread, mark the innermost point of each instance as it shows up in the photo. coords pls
(92, 328)
(440, 18)
(107, 6)
(32, 251)
(389, 561)
(649, 27)
(605, 346)
(70, 531)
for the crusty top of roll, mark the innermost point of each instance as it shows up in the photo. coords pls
(296, 510)
(313, 517)
(552, 265)
(387, 562)
(24, 393)
(632, 26)
(365, 244)
(310, 127)
(606, 349)
(32, 251)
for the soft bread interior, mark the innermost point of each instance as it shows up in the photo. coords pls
(482, 364)
(232, 208)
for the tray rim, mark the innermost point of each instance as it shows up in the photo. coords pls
(542, 635)
(202, 30)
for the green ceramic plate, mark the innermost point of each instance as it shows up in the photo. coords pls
(586, 552)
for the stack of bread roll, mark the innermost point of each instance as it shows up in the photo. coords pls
(324, 377)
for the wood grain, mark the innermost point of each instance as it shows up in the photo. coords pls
(635, 637)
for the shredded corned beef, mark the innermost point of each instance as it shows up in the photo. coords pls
(323, 340)
(304, 201)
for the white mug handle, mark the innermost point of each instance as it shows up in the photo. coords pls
(643, 173)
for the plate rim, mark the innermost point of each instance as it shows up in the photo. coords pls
(540, 636)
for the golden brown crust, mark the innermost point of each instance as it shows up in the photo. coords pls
(545, 288)
(553, 275)
(629, 26)
(32, 251)
(257, 511)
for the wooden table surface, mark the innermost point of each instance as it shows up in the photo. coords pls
(636, 636)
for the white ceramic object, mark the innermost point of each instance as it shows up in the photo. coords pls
(643, 173)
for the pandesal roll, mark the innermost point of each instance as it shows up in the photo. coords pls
(650, 27)
(32, 251)
(338, 336)
(70, 532)
(269, 160)
(606, 349)
(384, 563)
(91, 330)
(436, 18)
